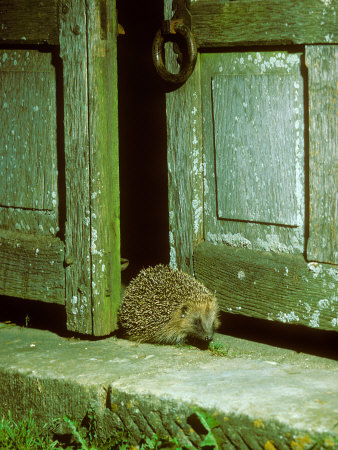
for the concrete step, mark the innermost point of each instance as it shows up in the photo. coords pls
(244, 395)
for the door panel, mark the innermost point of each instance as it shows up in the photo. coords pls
(253, 148)
(59, 196)
(32, 256)
(28, 118)
(249, 185)
(245, 94)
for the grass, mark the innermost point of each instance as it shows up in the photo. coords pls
(218, 349)
(25, 435)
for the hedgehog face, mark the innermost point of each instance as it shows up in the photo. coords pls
(194, 321)
(200, 320)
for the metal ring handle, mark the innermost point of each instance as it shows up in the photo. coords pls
(189, 59)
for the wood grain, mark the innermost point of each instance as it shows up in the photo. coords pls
(73, 51)
(323, 126)
(264, 22)
(28, 163)
(32, 267)
(267, 286)
(185, 165)
(254, 156)
(184, 143)
(29, 22)
(104, 165)
(43, 223)
(255, 168)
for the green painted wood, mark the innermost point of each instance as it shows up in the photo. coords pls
(43, 223)
(29, 22)
(184, 171)
(257, 268)
(185, 165)
(253, 147)
(246, 160)
(283, 288)
(84, 271)
(91, 152)
(323, 214)
(104, 165)
(73, 51)
(28, 163)
(264, 22)
(30, 253)
(32, 267)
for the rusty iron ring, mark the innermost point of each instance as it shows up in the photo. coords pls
(189, 59)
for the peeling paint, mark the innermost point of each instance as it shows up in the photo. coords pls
(73, 302)
(314, 320)
(323, 304)
(198, 215)
(241, 275)
(288, 317)
(173, 260)
(235, 240)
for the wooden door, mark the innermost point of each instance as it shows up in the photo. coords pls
(252, 159)
(59, 196)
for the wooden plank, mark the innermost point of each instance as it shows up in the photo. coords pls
(268, 286)
(32, 267)
(43, 223)
(73, 51)
(28, 163)
(185, 165)
(185, 171)
(29, 22)
(248, 67)
(247, 160)
(104, 165)
(323, 142)
(264, 22)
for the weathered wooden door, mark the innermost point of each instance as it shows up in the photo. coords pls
(59, 194)
(252, 159)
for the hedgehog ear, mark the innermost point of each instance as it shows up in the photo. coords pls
(184, 310)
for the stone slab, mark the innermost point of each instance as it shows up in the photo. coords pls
(277, 397)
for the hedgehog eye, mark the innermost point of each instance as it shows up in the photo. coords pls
(183, 311)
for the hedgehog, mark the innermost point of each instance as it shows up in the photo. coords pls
(166, 306)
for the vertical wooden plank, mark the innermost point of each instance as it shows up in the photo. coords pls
(73, 51)
(104, 180)
(323, 144)
(185, 166)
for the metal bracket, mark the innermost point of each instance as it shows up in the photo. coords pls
(179, 25)
(181, 8)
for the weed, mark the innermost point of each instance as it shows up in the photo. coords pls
(209, 422)
(24, 435)
(27, 321)
(218, 349)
